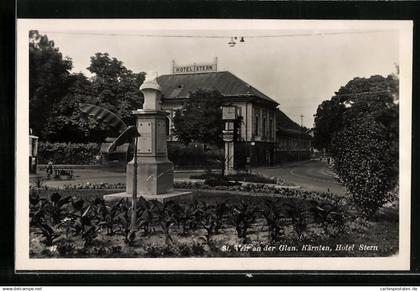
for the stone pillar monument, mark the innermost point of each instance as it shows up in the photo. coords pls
(154, 173)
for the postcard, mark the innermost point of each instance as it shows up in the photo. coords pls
(213, 144)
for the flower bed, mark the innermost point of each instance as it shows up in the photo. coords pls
(261, 188)
(69, 226)
(242, 177)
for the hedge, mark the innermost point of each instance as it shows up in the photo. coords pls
(85, 154)
(191, 156)
(68, 153)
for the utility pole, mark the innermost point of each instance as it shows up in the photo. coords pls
(301, 140)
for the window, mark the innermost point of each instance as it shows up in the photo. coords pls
(256, 125)
(167, 124)
(263, 128)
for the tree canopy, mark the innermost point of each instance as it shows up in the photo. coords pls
(55, 93)
(115, 87)
(49, 80)
(330, 113)
(359, 128)
(200, 119)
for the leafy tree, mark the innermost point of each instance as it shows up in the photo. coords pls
(48, 80)
(327, 121)
(200, 119)
(329, 116)
(362, 119)
(67, 123)
(112, 86)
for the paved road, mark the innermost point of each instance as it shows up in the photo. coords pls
(98, 175)
(310, 175)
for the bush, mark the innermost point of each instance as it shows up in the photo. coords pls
(360, 130)
(243, 177)
(183, 156)
(219, 181)
(68, 153)
(364, 161)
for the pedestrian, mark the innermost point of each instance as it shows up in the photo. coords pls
(50, 168)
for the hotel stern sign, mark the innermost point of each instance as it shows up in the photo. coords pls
(194, 68)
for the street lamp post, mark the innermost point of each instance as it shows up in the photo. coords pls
(134, 194)
(229, 116)
(251, 154)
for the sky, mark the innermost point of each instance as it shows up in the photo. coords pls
(298, 65)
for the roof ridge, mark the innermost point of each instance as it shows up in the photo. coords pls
(223, 77)
(252, 87)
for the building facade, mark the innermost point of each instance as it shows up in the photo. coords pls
(266, 136)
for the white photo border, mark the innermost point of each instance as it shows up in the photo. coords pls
(399, 262)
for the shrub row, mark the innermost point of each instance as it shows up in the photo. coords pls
(68, 153)
(264, 189)
(190, 156)
(85, 154)
(243, 177)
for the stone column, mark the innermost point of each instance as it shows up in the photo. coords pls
(155, 173)
(229, 158)
(229, 116)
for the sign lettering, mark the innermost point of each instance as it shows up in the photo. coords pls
(195, 68)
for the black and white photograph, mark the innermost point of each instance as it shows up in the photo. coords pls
(181, 144)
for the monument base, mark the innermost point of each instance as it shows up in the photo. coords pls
(172, 196)
(154, 176)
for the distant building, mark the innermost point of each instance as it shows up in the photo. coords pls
(267, 135)
(293, 141)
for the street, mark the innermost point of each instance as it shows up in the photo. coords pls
(309, 175)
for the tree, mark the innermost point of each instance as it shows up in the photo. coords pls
(67, 123)
(48, 80)
(112, 86)
(200, 119)
(329, 116)
(363, 138)
(327, 121)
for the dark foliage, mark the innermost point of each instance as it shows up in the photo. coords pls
(49, 80)
(200, 119)
(54, 93)
(359, 129)
(72, 225)
(68, 153)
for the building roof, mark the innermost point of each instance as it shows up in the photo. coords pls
(286, 126)
(179, 86)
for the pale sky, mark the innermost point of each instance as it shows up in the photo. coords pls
(298, 71)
